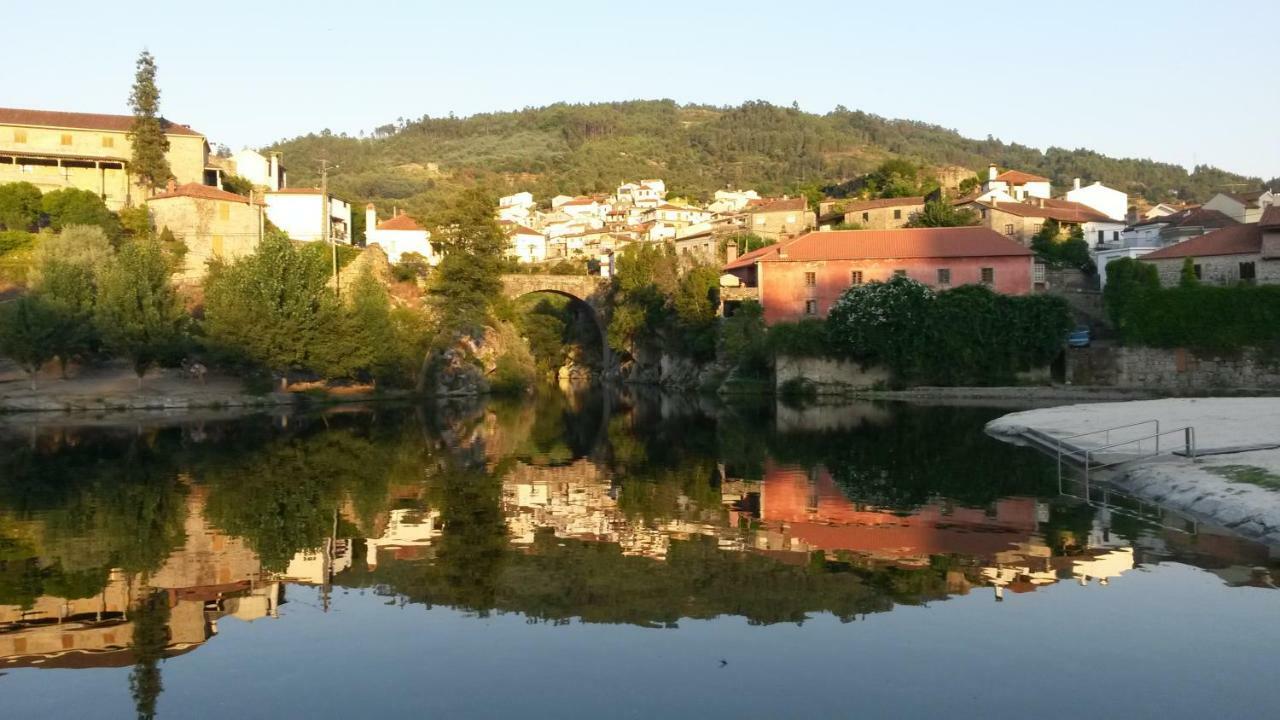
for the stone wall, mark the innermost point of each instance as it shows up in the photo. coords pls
(1169, 369)
(827, 376)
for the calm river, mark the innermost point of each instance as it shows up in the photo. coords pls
(622, 556)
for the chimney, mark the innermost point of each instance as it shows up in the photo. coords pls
(1076, 183)
(370, 220)
(991, 172)
(170, 186)
(1040, 202)
(731, 252)
(273, 181)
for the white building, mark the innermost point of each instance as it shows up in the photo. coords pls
(300, 213)
(518, 208)
(398, 236)
(676, 214)
(527, 245)
(1245, 207)
(1015, 184)
(584, 207)
(262, 171)
(732, 201)
(646, 193)
(1112, 203)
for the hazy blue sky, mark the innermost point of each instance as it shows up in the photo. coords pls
(1184, 82)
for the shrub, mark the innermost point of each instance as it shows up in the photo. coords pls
(744, 340)
(19, 206)
(12, 241)
(71, 206)
(806, 338)
(881, 322)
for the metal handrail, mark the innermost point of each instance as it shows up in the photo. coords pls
(1189, 442)
(1108, 430)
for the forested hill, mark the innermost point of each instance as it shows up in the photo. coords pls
(696, 149)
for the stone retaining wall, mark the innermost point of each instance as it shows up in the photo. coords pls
(827, 376)
(1170, 369)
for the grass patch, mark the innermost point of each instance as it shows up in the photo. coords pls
(1247, 474)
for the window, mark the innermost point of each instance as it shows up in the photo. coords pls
(944, 276)
(855, 277)
(1038, 227)
(1115, 236)
(897, 214)
(224, 211)
(1037, 273)
(66, 138)
(760, 220)
(108, 141)
(810, 307)
(810, 279)
(1199, 272)
(899, 273)
(217, 246)
(1102, 236)
(20, 136)
(1248, 272)
(1008, 229)
(988, 276)
(866, 217)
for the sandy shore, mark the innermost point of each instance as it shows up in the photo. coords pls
(1238, 490)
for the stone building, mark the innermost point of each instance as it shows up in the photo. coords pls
(1020, 221)
(779, 219)
(803, 277)
(212, 223)
(878, 214)
(1233, 254)
(90, 151)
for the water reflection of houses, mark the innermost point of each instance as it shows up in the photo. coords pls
(579, 501)
(802, 510)
(213, 576)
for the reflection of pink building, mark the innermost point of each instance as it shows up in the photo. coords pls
(817, 513)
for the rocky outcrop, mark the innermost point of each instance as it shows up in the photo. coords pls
(475, 365)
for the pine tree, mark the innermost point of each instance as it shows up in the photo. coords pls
(148, 163)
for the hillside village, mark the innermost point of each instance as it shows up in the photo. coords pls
(219, 206)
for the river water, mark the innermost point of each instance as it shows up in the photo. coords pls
(599, 555)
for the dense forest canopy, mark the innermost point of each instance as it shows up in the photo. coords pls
(697, 149)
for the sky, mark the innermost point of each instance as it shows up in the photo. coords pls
(1181, 82)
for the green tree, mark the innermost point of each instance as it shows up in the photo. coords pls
(273, 308)
(1128, 282)
(72, 206)
(235, 184)
(148, 162)
(468, 280)
(138, 312)
(743, 339)
(644, 279)
(19, 206)
(28, 328)
(1187, 276)
(941, 213)
(694, 307)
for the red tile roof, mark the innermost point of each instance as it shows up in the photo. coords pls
(517, 229)
(1248, 199)
(859, 205)
(1191, 217)
(82, 121)
(1060, 210)
(1017, 177)
(295, 191)
(887, 244)
(1233, 240)
(579, 201)
(784, 205)
(400, 222)
(204, 192)
(1270, 218)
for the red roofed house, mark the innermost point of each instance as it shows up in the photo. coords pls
(778, 219)
(1236, 253)
(212, 223)
(1021, 221)
(1245, 207)
(398, 236)
(1014, 185)
(802, 278)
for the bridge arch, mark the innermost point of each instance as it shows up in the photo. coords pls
(589, 290)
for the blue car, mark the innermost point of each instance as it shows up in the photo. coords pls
(1079, 338)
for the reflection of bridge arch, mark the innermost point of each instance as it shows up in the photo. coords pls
(589, 290)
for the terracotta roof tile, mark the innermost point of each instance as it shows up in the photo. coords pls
(1017, 177)
(860, 205)
(784, 205)
(1270, 218)
(204, 192)
(82, 121)
(1190, 217)
(400, 222)
(1233, 240)
(887, 244)
(1060, 210)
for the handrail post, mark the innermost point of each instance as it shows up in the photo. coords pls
(1190, 438)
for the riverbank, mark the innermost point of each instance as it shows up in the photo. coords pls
(1233, 480)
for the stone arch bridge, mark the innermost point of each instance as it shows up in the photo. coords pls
(591, 290)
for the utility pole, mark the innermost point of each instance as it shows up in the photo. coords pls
(324, 222)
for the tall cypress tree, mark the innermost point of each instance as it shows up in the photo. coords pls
(148, 163)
